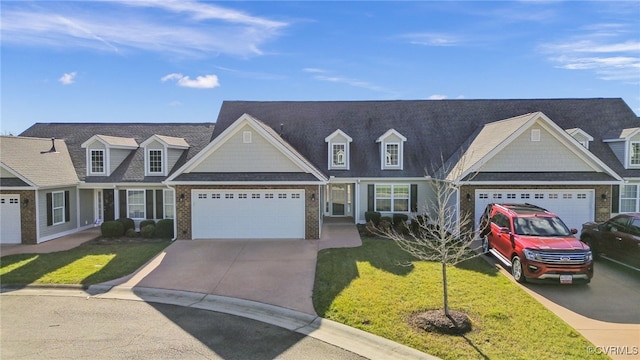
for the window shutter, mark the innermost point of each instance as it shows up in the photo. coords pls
(371, 198)
(159, 204)
(67, 207)
(615, 198)
(414, 198)
(49, 209)
(123, 204)
(149, 203)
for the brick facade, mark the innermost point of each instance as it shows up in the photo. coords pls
(602, 205)
(28, 225)
(183, 206)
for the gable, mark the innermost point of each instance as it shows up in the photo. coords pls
(235, 155)
(548, 154)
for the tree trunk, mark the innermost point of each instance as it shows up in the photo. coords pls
(444, 288)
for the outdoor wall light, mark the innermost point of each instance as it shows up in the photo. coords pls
(181, 197)
(468, 197)
(604, 196)
(25, 202)
(313, 197)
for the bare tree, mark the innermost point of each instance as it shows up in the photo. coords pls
(442, 234)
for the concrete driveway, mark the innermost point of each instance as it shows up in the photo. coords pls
(275, 272)
(606, 311)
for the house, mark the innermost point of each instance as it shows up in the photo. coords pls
(278, 169)
(99, 172)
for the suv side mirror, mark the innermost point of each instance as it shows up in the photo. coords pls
(574, 231)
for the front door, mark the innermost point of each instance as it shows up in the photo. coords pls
(339, 200)
(108, 208)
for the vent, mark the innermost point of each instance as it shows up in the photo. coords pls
(53, 148)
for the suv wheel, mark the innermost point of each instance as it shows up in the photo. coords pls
(516, 270)
(485, 245)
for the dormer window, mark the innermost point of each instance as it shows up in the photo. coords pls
(391, 150)
(634, 153)
(155, 161)
(581, 136)
(161, 153)
(338, 157)
(97, 162)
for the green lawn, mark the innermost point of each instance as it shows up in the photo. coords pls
(89, 263)
(377, 286)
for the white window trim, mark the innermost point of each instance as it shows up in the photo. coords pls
(637, 199)
(333, 165)
(147, 162)
(144, 204)
(386, 166)
(54, 208)
(90, 162)
(628, 151)
(392, 198)
(171, 196)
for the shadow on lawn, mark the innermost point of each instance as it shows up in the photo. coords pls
(126, 258)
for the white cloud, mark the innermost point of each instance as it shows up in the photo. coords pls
(433, 39)
(200, 82)
(437, 97)
(608, 50)
(195, 29)
(67, 78)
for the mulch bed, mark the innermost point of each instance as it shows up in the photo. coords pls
(437, 321)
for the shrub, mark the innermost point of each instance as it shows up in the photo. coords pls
(398, 219)
(127, 223)
(131, 233)
(372, 216)
(148, 231)
(164, 229)
(388, 219)
(112, 229)
(415, 223)
(144, 223)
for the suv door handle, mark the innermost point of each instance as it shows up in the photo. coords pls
(618, 238)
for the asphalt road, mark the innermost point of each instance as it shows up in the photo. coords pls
(46, 327)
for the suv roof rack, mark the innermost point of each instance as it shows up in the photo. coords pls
(524, 208)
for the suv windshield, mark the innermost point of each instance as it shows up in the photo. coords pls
(540, 226)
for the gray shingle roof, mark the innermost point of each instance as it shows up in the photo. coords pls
(30, 157)
(197, 135)
(435, 129)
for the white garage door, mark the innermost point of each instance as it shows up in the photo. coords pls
(10, 232)
(247, 214)
(574, 207)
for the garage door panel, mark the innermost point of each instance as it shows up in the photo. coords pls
(248, 214)
(10, 228)
(574, 207)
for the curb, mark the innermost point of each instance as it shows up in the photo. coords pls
(360, 342)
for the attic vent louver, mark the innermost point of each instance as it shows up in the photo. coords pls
(53, 148)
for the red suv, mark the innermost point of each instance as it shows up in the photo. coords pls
(535, 243)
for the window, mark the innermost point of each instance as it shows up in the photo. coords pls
(97, 161)
(392, 152)
(58, 207)
(392, 198)
(246, 137)
(628, 198)
(155, 162)
(168, 204)
(535, 135)
(338, 155)
(136, 204)
(634, 154)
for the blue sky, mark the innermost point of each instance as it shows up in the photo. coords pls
(164, 61)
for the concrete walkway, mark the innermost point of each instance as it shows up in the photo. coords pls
(59, 244)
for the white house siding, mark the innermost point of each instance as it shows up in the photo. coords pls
(53, 231)
(236, 156)
(548, 154)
